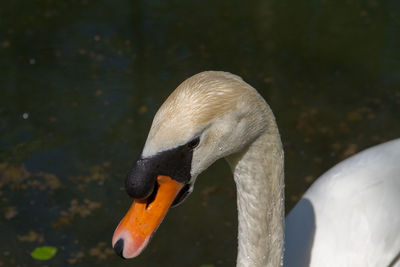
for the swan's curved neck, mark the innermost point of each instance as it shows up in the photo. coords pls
(258, 173)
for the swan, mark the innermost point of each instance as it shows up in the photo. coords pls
(350, 216)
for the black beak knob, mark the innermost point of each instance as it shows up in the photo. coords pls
(139, 183)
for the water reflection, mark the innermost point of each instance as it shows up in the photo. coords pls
(81, 81)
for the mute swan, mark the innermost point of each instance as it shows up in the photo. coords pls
(349, 217)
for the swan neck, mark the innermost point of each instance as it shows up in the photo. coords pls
(258, 174)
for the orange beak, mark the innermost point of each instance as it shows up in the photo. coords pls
(142, 219)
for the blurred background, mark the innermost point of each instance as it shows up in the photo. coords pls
(81, 80)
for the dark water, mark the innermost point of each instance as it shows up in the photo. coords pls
(81, 80)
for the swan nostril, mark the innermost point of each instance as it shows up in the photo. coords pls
(119, 247)
(152, 196)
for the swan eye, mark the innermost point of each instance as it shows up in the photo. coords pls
(194, 143)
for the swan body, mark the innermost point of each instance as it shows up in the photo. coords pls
(349, 216)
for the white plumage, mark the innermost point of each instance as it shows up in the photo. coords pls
(349, 217)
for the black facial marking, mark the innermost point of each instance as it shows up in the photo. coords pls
(175, 163)
(181, 195)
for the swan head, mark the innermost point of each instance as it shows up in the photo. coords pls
(209, 116)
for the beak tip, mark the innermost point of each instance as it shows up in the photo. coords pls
(119, 248)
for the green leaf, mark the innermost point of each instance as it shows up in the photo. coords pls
(44, 253)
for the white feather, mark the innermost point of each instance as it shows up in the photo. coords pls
(349, 217)
(355, 207)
